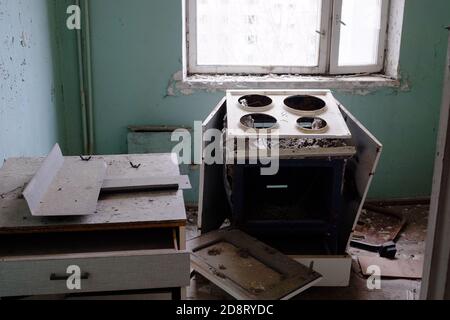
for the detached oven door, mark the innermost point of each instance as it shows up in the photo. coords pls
(248, 269)
(358, 176)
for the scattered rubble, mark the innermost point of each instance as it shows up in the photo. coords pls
(215, 252)
(309, 143)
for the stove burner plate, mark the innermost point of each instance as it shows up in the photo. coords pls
(239, 127)
(305, 105)
(259, 121)
(312, 125)
(255, 103)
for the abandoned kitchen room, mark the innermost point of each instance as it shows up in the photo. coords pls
(224, 150)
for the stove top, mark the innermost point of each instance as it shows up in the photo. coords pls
(286, 113)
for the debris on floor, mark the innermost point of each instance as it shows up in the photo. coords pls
(410, 246)
(377, 228)
(397, 269)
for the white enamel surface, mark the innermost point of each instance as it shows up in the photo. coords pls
(287, 121)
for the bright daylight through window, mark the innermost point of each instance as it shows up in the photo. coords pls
(286, 36)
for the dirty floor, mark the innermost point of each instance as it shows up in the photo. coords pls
(410, 244)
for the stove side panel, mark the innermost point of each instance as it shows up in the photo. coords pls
(213, 204)
(358, 176)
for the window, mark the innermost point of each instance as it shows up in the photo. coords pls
(285, 36)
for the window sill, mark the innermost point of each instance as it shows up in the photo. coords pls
(354, 82)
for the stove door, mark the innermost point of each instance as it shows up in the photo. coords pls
(248, 269)
(213, 204)
(359, 174)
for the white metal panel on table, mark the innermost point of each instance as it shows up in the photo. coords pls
(65, 186)
(138, 209)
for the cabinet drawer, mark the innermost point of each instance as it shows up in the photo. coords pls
(108, 261)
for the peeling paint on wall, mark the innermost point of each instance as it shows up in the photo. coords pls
(177, 86)
(28, 113)
(358, 84)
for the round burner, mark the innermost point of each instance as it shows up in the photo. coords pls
(258, 121)
(255, 102)
(305, 105)
(312, 125)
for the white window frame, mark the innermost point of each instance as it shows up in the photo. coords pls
(335, 41)
(328, 50)
(194, 68)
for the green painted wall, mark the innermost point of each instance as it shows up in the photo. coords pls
(136, 46)
(70, 101)
(30, 119)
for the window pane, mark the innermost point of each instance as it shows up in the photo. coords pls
(258, 32)
(360, 32)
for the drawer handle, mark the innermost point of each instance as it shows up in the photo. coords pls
(277, 186)
(55, 277)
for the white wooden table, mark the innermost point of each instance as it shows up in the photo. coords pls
(134, 242)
